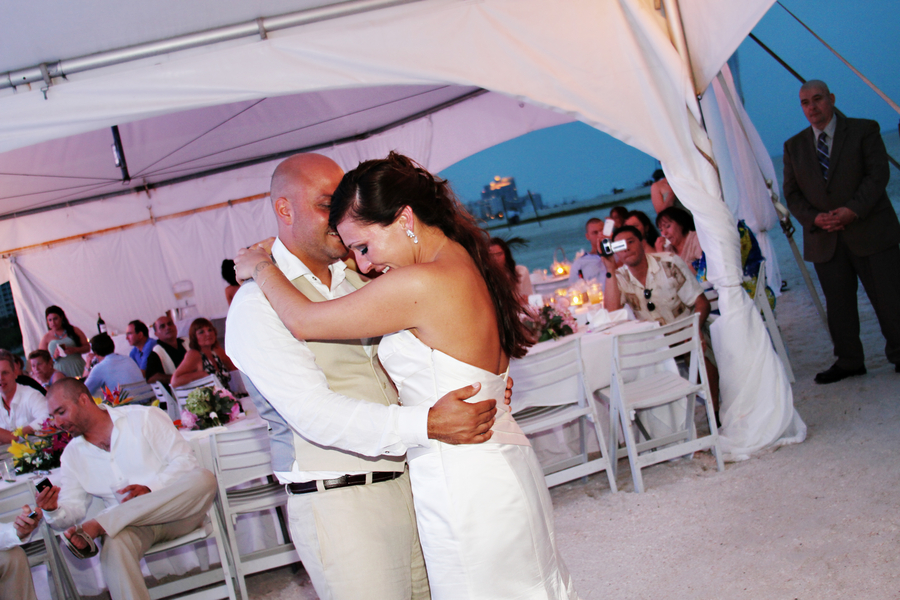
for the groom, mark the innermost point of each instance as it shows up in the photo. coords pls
(350, 508)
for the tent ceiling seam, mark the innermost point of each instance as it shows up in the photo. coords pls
(175, 168)
(255, 161)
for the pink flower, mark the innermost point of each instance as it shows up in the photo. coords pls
(235, 412)
(188, 419)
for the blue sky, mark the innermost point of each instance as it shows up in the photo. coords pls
(576, 161)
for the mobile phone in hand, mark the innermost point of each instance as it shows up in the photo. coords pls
(43, 484)
(32, 514)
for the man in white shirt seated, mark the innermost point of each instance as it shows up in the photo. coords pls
(22, 406)
(590, 266)
(134, 452)
(15, 573)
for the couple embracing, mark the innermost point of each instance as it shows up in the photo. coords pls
(308, 332)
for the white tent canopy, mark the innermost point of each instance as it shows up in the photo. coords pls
(611, 63)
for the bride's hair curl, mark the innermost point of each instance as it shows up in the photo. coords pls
(375, 192)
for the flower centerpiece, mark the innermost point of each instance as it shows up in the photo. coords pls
(209, 407)
(39, 451)
(550, 323)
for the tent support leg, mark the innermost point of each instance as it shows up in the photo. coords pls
(788, 229)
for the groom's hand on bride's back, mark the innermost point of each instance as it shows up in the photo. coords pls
(452, 420)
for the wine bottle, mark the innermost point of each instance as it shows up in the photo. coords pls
(101, 324)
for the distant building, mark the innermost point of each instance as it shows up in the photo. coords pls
(500, 199)
(7, 308)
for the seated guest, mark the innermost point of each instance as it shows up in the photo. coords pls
(502, 255)
(21, 377)
(618, 214)
(111, 370)
(658, 287)
(589, 266)
(15, 572)
(640, 221)
(22, 406)
(205, 357)
(132, 451)
(42, 368)
(168, 352)
(677, 227)
(142, 344)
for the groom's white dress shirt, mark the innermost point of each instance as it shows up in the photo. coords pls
(259, 343)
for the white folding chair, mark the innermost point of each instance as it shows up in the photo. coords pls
(139, 392)
(181, 392)
(43, 547)
(551, 385)
(762, 303)
(635, 350)
(209, 584)
(164, 397)
(240, 457)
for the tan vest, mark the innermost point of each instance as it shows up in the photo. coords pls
(350, 371)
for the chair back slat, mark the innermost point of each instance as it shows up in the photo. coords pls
(139, 392)
(241, 456)
(13, 498)
(549, 378)
(638, 350)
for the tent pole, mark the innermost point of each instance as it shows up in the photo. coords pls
(258, 27)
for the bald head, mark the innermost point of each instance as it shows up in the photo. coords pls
(815, 84)
(301, 196)
(293, 175)
(67, 389)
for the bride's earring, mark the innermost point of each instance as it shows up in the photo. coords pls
(412, 236)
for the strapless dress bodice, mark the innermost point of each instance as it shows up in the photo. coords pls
(423, 375)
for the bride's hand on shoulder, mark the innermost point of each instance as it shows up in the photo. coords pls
(248, 259)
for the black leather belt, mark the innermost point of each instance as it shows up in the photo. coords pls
(339, 482)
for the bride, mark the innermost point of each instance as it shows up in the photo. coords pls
(483, 511)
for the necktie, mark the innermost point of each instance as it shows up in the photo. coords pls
(822, 152)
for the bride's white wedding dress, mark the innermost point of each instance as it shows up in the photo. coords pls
(484, 513)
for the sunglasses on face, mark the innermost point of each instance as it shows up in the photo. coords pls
(650, 306)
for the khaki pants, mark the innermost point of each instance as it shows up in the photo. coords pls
(360, 542)
(134, 526)
(15, 576)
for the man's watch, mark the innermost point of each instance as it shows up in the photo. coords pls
(608, 275)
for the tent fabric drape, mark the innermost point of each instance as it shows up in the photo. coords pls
(608, 63)
(741, 168)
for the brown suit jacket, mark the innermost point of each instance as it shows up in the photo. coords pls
(857, 177)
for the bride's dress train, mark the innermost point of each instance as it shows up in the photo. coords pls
(484, 513)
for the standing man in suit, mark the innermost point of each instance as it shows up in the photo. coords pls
(341, 436)
(835, 175)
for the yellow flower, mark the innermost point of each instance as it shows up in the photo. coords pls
(19, 450)
(18, 432)
(98, 401)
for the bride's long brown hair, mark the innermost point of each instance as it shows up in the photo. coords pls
(375, 192)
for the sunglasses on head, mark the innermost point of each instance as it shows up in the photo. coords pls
(650, 306)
